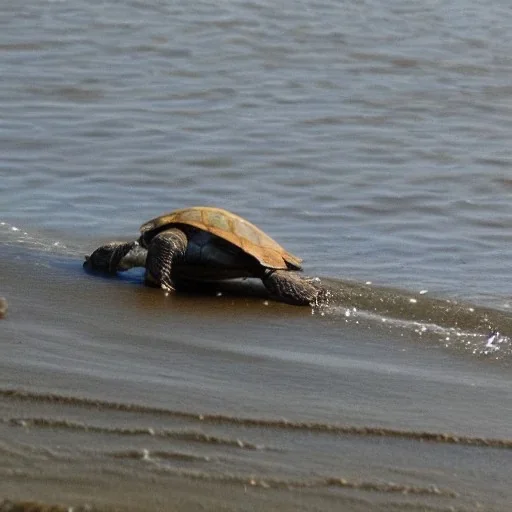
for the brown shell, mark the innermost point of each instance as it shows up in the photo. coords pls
(230, 227)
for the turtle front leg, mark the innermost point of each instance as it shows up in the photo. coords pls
(292, 288)
(116, 256)
(164, 251)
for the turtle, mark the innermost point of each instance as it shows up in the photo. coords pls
(202, 244)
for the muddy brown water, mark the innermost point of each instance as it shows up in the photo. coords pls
(241, 402)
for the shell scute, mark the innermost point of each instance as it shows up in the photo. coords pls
(217, 220)
(246, 231)
(190, 215)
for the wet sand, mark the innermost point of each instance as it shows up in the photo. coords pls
(116, 396)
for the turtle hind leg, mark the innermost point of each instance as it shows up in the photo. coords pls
(165, 249)
(291, 287)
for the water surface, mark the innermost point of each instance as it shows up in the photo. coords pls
(369, 138)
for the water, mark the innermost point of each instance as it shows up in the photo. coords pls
(369, 138)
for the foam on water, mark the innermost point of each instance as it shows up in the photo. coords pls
(494, 344)
(18, 236)
(455, 325)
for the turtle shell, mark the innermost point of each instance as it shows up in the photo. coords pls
(230, 227)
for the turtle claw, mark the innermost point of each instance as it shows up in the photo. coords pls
(167, 287)
(321, 299)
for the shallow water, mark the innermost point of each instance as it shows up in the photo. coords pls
(236, 391)
(371, 139)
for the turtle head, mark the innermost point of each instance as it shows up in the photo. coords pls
(116, 257)
(100, 259)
